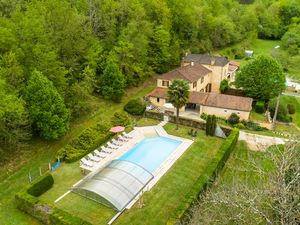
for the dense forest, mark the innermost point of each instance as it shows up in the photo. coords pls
(55, 54)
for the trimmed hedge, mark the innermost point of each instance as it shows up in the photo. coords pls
(181, 214)
(260, 107)
(291, 108)
(195, 124)
(87, 141)
(154, 115)
(40, 185)
(28, 202)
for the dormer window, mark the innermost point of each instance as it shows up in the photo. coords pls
(195, 84)
(165, 83)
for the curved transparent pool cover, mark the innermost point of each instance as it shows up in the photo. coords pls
(116, 185)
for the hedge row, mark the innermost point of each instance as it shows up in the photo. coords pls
(195, 123)
(87, 141)
(205, 180)
(28, 202)
(154, 115)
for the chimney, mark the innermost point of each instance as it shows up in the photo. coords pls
(192, 63)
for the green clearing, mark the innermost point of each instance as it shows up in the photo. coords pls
(260, 117)
(147, 122)
(13, 175)
(295, 101)
(267, 47)
(160, 202)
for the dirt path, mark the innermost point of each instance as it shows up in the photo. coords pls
(257, 142)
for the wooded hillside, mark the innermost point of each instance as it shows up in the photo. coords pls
(53, 53)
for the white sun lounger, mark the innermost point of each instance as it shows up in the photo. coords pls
(93, 157)
(121, 138)
(116, 142)
(112, 146)
(100, 154)
(127, 135)
(86, 162)
(106, 150)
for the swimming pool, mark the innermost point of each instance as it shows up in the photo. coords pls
(150, 153)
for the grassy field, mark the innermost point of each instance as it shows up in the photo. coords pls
(14, 175)
(295, 101)
(260, 117)
(159, 202)
(267, 47)
(240, 169)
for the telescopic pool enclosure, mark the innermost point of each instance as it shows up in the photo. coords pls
(116, 185)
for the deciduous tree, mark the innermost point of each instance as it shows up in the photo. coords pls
(261, 78)
(46, 107)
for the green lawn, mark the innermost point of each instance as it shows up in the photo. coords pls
(13, 175)
(260, 117)
(147, 122)
(160, 202)
(295, 101)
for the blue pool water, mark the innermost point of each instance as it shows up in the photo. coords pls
(150, 153)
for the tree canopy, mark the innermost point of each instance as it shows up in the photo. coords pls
(261, 78)
(49, 115)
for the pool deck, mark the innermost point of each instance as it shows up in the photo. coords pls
(139, 133)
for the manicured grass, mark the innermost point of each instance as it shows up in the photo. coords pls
(260, 117)
(13, 175)
(242, 160)
(161, 201)
(147, 122)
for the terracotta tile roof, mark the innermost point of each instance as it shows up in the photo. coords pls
(198, 97)
(229, 102)
(234, 63)
(211, 99)
(188, 73)
(233, 66)
(206, 59)
(159, 93)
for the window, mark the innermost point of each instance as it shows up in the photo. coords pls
(202, 90)
(238, 112)
(225, 110)
(202, 80)
(165, 83)
(195, 84)
(157, 99)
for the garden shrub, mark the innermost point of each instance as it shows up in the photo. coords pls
(291, 108)
(121, 119)
(240, 126)
(27, 201)
(86, 142)
(233, 119)
(40, 185)
(282, 111)
(260, 107)
(204, 116)
(206, 178)
(135, 107)
(224, 86)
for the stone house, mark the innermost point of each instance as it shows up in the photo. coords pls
(204, 74)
